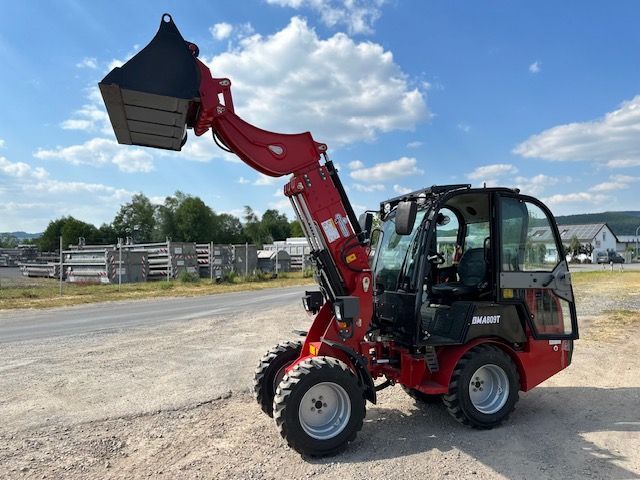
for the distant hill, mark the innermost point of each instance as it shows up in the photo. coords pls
(22, 235)
(622, 223)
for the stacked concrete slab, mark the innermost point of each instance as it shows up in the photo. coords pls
(297, 248)
(168, 260)
(104, 264)
(245, 259)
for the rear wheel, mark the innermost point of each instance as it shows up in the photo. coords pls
(422, 398)
(484, 388)
(271, 370)
(319, 406)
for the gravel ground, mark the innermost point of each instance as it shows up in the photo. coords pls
(173, 402)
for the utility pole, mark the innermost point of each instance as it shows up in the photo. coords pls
(61, 265)
(637, 229)
(211, 261)
(276, 261)
(246, 259)
(119, 263)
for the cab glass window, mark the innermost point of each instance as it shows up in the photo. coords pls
(476, 235)
(447, 228)
(528, 242)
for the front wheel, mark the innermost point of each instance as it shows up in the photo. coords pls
(270, 371)
(484, 388)
(319, 406)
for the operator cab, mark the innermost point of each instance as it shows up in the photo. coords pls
(476, 262)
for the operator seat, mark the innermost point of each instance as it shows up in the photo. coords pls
(472, 271)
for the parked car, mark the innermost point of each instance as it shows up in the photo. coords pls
(602, 257)
(616, 258)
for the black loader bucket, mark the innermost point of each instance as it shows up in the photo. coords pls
(151, 98)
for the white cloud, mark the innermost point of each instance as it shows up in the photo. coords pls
(221, 30)
(32, 198)
(623, 163)
(616, 182)
(401, 190)
(415, 144)
(265, 180)
(464, 127)
(21, 170)
(535, 67)
(375, 187)
(201, 149)
(91, 117)
(2, 143)
(492, 171)
(88, 62)
(341, 90)
(99, 152)
(613, 139)
(357, 15)
(66, 187)
(17, 169)
(535, 185)
(402, 167)
(355, 165)
(243, 181)
(576, 198)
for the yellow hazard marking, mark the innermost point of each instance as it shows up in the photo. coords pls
(351, 258)
(507, 292)
(313, 350)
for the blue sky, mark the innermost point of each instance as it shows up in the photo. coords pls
(542, 96)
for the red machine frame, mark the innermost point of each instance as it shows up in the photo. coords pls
(326, 217)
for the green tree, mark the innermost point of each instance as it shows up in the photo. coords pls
(106, 234)
(70, 229)
(8, 241)
(228, 229)
(574, 245)
(276, 225)
(253, 228)
(136, 219)
(296, 229)
(194, 221)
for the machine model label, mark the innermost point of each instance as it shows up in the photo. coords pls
(330, 230)
(342, 224)
(485, 319)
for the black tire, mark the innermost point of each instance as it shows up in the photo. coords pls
(458, 400)
(291, 392)
(270, 371)
(422, 398)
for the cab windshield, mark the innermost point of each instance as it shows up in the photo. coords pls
(392, 251)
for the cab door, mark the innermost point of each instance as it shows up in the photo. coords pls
(533, 269)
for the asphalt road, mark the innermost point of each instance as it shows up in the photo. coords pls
(20, 325)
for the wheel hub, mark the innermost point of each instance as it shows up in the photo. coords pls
(489, 389)
(325, 410)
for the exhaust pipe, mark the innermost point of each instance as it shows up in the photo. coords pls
(154, 97)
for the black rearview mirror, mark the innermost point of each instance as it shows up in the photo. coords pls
(405, 217)
(366, 223)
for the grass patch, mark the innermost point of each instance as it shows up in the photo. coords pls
(48, 295)
(607, 284)
(614, 325)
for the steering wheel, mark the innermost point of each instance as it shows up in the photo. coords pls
(437, 258)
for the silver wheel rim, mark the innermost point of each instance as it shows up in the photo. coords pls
(324, 410)
(489, 389)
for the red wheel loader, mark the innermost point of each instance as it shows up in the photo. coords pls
(467, 301)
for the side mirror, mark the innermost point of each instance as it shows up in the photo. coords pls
(405, 217)
(366, 223)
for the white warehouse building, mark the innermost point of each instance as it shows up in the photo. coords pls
(598, 235)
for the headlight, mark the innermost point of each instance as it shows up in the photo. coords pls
(338, 311)
(312, 301)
